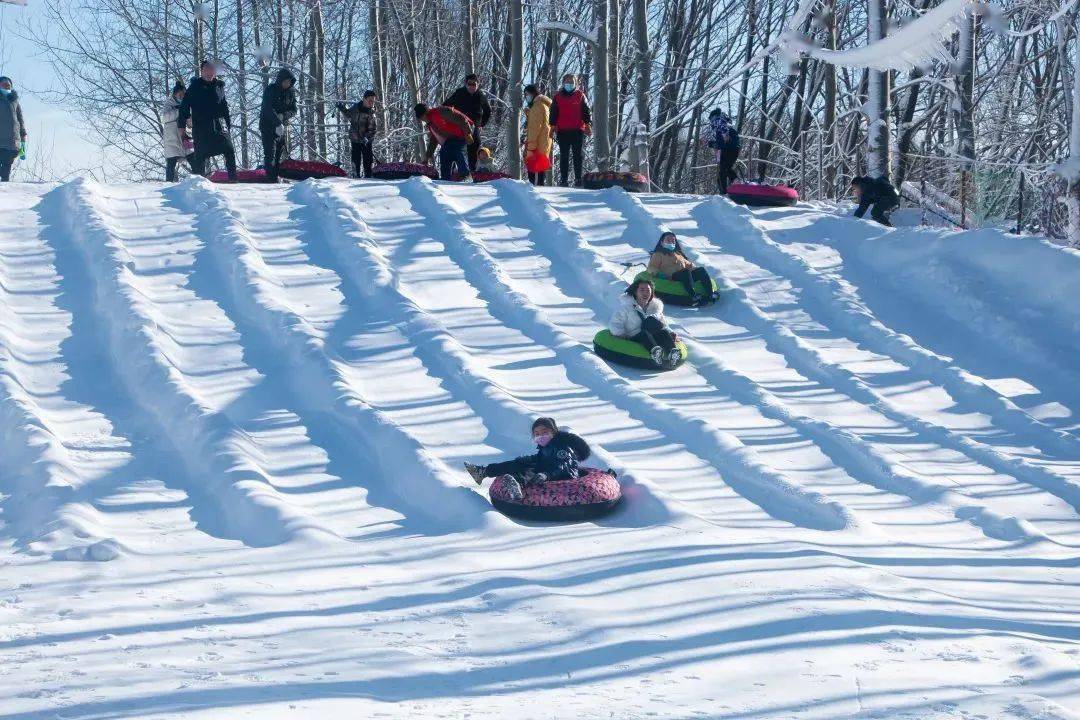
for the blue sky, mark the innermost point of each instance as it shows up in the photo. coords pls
(53, 130)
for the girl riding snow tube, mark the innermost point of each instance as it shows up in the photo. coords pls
(669, 262)
(639, 316)
(557, 456)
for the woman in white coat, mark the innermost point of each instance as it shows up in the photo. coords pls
(177, 142)
(639, 316)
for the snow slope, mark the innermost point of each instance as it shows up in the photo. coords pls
(232, 422)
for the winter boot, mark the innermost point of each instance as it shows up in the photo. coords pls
(476, 472)
(673, 357)
(513, 487)
(658, 356)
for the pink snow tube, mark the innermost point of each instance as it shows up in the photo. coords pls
(480, 176)
(244, 176)
(402, 171)
(309, 169)
(595, 493)
(763, 195)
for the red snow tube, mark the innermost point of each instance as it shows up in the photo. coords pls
(309, 169)
(595, 493)
(628, 181)
(402, 171)
(763, 195)
(244, 176)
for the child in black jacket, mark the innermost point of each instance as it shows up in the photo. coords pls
(557, 457)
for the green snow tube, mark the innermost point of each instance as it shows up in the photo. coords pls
(629, 352)
(673, 292)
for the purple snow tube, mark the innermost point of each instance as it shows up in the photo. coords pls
(596, 492)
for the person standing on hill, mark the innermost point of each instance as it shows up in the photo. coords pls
(471, 101)
(537, 134)
(12, 128)
(363, 127)
(727, 144)
(571, 121)
(176, 140)
(278, 108)
(450, 131)
(207, 106)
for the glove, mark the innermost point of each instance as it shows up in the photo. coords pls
(279, 130)
(22, 150)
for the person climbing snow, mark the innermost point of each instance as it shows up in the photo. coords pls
(571, 121)
(278, 108)
(12, 128)
(878, 194)
(363, 126)
(639, 316)
(558, 455)
(450, 131)
(207, 106)
(473, 103)
(727, 144)
(537, 134)
(175, 140)
(668, 261)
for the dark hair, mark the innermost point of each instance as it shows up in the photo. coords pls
(678, 245)
(472, 77)
(206, 62)
(530, 88)
(572, 76)
(420, 109)
(370, 93)
(177, 87)
(631, 289)
(546, 422)
(5, 78)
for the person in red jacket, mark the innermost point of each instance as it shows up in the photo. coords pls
(571, 121)
(451, 130)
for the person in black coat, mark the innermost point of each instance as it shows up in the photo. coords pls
(878, 194)
(558, 454)
(471, 101)
(727, 144)
(363, 127)
(205, 103)
(278, 107)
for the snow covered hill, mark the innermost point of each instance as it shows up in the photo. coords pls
(858, 499)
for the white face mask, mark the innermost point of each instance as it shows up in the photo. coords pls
(5, 91)
(568, 87)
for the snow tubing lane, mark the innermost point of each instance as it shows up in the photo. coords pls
(630, 182)
(595, 493)
(402, 171)
(242, 176)
(309, 170)
(629, 352)
(673, 292)
(763, 195)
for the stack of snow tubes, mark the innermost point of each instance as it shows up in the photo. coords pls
(674, 292)
(594, 493)
(763, 195)
(309, 169)
(628, 181)
(242, 176)
(625, 351)
(402, 171)
(479, 176)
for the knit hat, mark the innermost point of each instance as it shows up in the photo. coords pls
(370, 93)
(546, 422)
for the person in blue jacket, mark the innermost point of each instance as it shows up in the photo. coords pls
(558, 454)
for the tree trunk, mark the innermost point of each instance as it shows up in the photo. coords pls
(318, 77)
(614, 54)
(744, 90)
(470, 36)
(877, 136)
(242, 83)
(600, 87)
(513, 124)
(830, 104)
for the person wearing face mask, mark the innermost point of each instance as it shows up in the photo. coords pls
(571, 121)
(668, 261)
(471, 101)
(12, 128)
(639, 316)
(558, 455)
(537, 134)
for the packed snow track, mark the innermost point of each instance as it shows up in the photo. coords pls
(233, 421)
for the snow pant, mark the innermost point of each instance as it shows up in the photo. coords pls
(172, 162)
(654, 333)
(451, 155)
(362, 159)
(687, 278)
(880, 209)
(273, 149)
(537, 179)
(7, 158)
(224, 147)
(517, 468)
(474, 148)
(726, 172)
(571, 144)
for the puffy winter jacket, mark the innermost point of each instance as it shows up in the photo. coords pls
(475, 105)
(278, 104)
(874, 190)
(537, 126)
(558, 459)
(666, 264)
(570, 110)
(12, 127)
(172, 137)
(628, 316)
(363, 124)
(445, 123)
(208, 107)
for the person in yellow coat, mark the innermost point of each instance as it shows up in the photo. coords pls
(537, 134)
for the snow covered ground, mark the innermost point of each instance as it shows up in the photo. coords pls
(232, 422)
